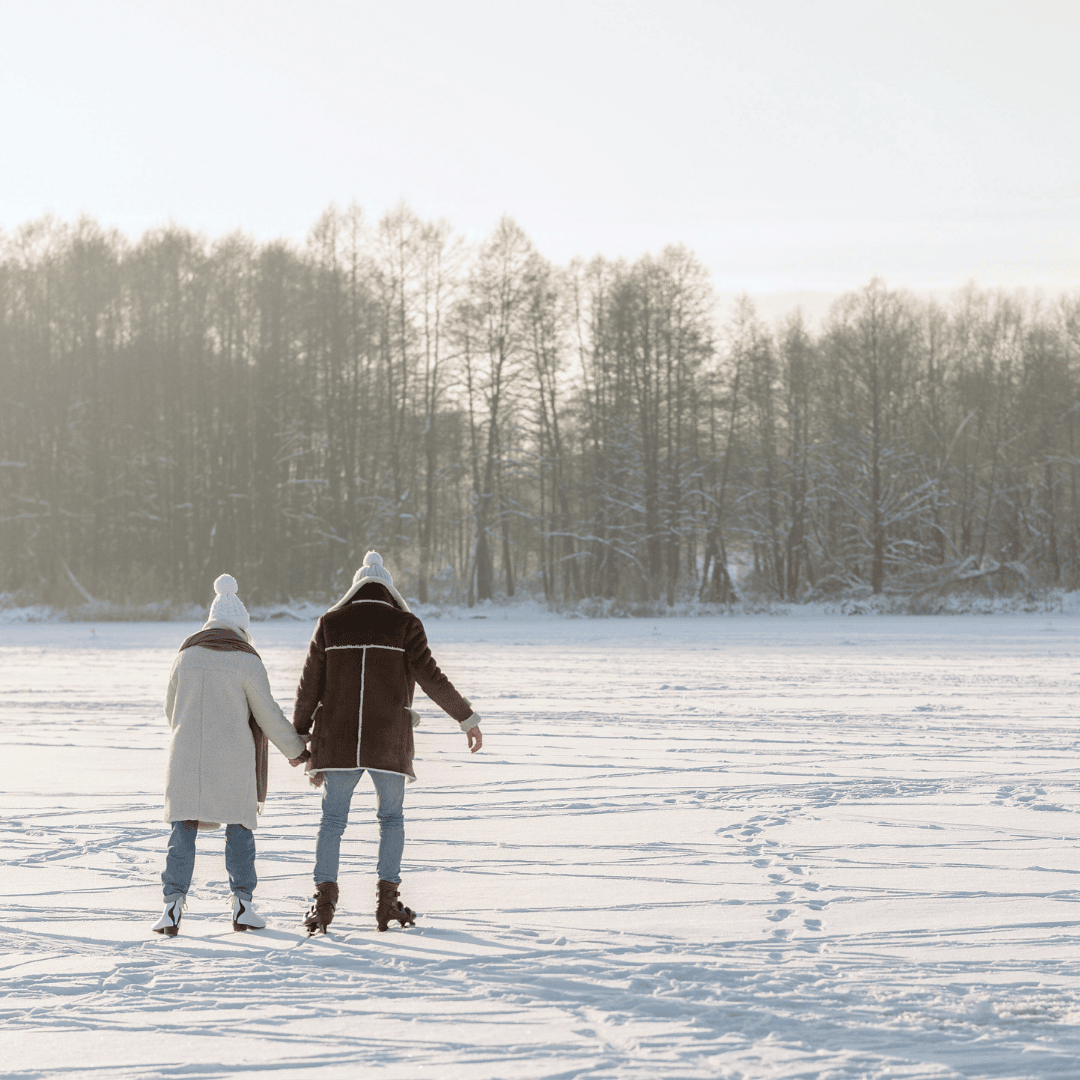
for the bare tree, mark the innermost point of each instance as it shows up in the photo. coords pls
(492, 334)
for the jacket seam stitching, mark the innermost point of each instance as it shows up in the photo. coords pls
(392, 648)
(360, 718)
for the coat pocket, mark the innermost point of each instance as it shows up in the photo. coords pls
(314, 729)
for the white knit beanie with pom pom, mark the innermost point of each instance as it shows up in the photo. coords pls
(227, 607)
(372, 572)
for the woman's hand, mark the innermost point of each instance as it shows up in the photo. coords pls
(305, 756)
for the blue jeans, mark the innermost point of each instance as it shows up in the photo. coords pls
(180, 860)
(337, 795)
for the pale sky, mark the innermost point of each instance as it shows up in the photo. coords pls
(794, 146)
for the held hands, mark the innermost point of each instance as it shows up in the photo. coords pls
(315, 779)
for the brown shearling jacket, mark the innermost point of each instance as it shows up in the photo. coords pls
(356, 689)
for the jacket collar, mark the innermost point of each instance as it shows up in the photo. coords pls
(218, 624)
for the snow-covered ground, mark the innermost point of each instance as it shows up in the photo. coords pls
(830, 848)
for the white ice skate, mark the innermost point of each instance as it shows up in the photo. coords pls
(169, 923)
(244, 915)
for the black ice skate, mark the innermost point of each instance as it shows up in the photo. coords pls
(322, 911)
(390, 907)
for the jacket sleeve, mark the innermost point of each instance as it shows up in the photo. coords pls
(268, 714)
(432, 681)
(170, 694)
(309, 693)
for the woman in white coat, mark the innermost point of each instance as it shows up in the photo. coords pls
(221, 712)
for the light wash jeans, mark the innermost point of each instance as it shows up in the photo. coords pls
(180, 860)
(338, 788)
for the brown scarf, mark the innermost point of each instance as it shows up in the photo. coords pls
(230, 641)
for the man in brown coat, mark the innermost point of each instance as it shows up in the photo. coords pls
(366, 656)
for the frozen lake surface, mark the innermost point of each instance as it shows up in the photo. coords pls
(826, 848)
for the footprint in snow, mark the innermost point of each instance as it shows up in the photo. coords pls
(779, 915)
(812, 924)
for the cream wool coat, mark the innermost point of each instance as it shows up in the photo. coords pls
(211, 771)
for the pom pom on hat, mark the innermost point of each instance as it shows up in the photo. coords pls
(226, 583)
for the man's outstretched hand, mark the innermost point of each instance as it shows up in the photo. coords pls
(305, 756)
(476, 740)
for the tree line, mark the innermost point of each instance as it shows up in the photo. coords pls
(177, 406)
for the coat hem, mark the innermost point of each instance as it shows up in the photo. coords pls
(409, 778)
(358, 768)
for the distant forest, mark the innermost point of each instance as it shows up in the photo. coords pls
(177, 407)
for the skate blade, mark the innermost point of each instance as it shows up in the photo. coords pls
(240, 927)
(168, 931)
